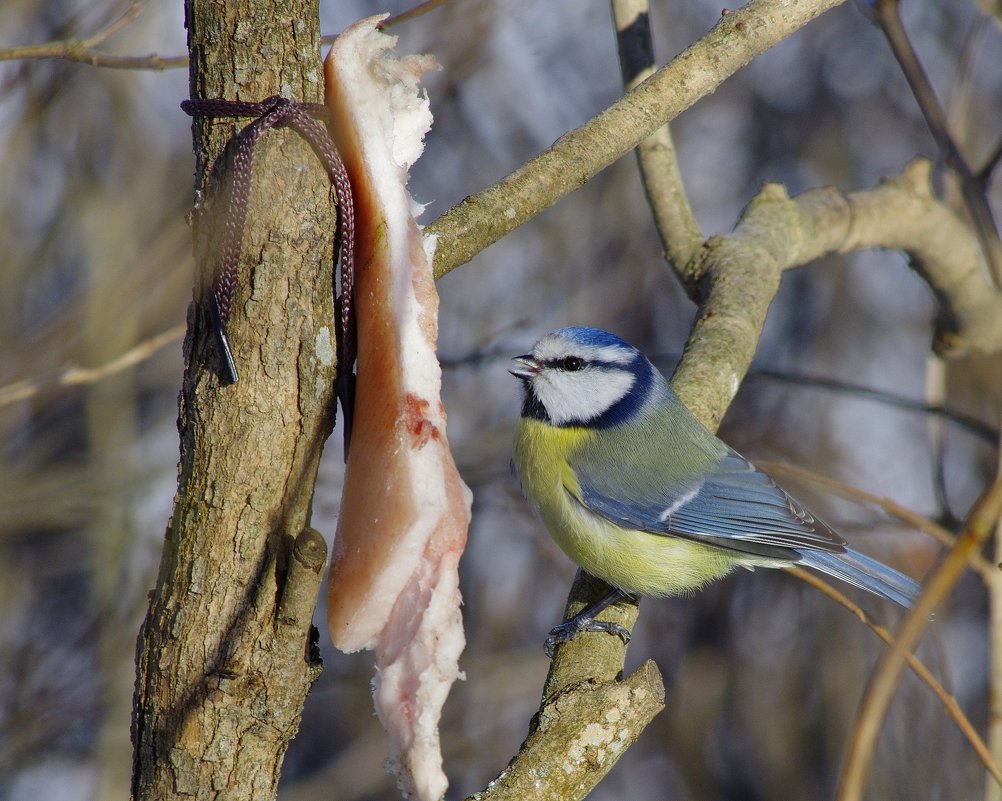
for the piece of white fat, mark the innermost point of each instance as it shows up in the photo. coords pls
(394, 583)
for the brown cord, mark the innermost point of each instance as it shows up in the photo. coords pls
(280, 112)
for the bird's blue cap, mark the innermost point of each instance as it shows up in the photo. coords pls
(593, 337)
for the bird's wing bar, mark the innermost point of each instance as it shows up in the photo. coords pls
(734, 506)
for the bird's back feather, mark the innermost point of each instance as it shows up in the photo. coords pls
(710, 494)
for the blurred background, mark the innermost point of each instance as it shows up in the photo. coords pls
(763, 673)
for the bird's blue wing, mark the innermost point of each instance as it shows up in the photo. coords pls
(728, 503)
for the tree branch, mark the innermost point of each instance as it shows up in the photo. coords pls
(972, 186)
(224, 655)
(736, 276)
(76, 376)
(571, 748)
(886, 675)
(993, 791)
(949, 702)
(482, 219)
(676, 224)
(588, 709)
(85, 50)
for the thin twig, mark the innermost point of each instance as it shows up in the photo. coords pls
(993, 792)
(964, 89)
(676, 224)
(404, 16)
(972, 425)
(985, 173)
(78, 376)
(83, 50)
(980, 525)
(412, 13)
(132, 12)
(935, 394)
(972, 189)
(950, 704)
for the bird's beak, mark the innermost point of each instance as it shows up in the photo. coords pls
(527, 367)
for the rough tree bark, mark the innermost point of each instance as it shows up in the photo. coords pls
(224, 660)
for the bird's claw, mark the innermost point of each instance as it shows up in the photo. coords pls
(566, 632)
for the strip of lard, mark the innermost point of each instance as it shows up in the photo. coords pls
(394, 584)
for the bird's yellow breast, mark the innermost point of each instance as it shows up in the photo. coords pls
(542, 452)
(636, 561)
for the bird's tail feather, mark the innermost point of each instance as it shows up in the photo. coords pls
(863, 572)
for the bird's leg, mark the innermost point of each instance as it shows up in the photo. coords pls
(585, 621)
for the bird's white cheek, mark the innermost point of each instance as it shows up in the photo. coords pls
(571, 397)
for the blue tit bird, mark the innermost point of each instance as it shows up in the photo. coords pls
(640, 494)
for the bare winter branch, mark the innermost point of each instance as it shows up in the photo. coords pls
(482, 219)
(949, 702)
(979, 527)
(85, 50)
(971, 185)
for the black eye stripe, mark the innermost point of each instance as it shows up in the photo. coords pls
(569, 363)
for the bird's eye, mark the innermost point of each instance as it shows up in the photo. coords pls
(572, 364)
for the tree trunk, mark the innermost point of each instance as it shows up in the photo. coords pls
(224, 661)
